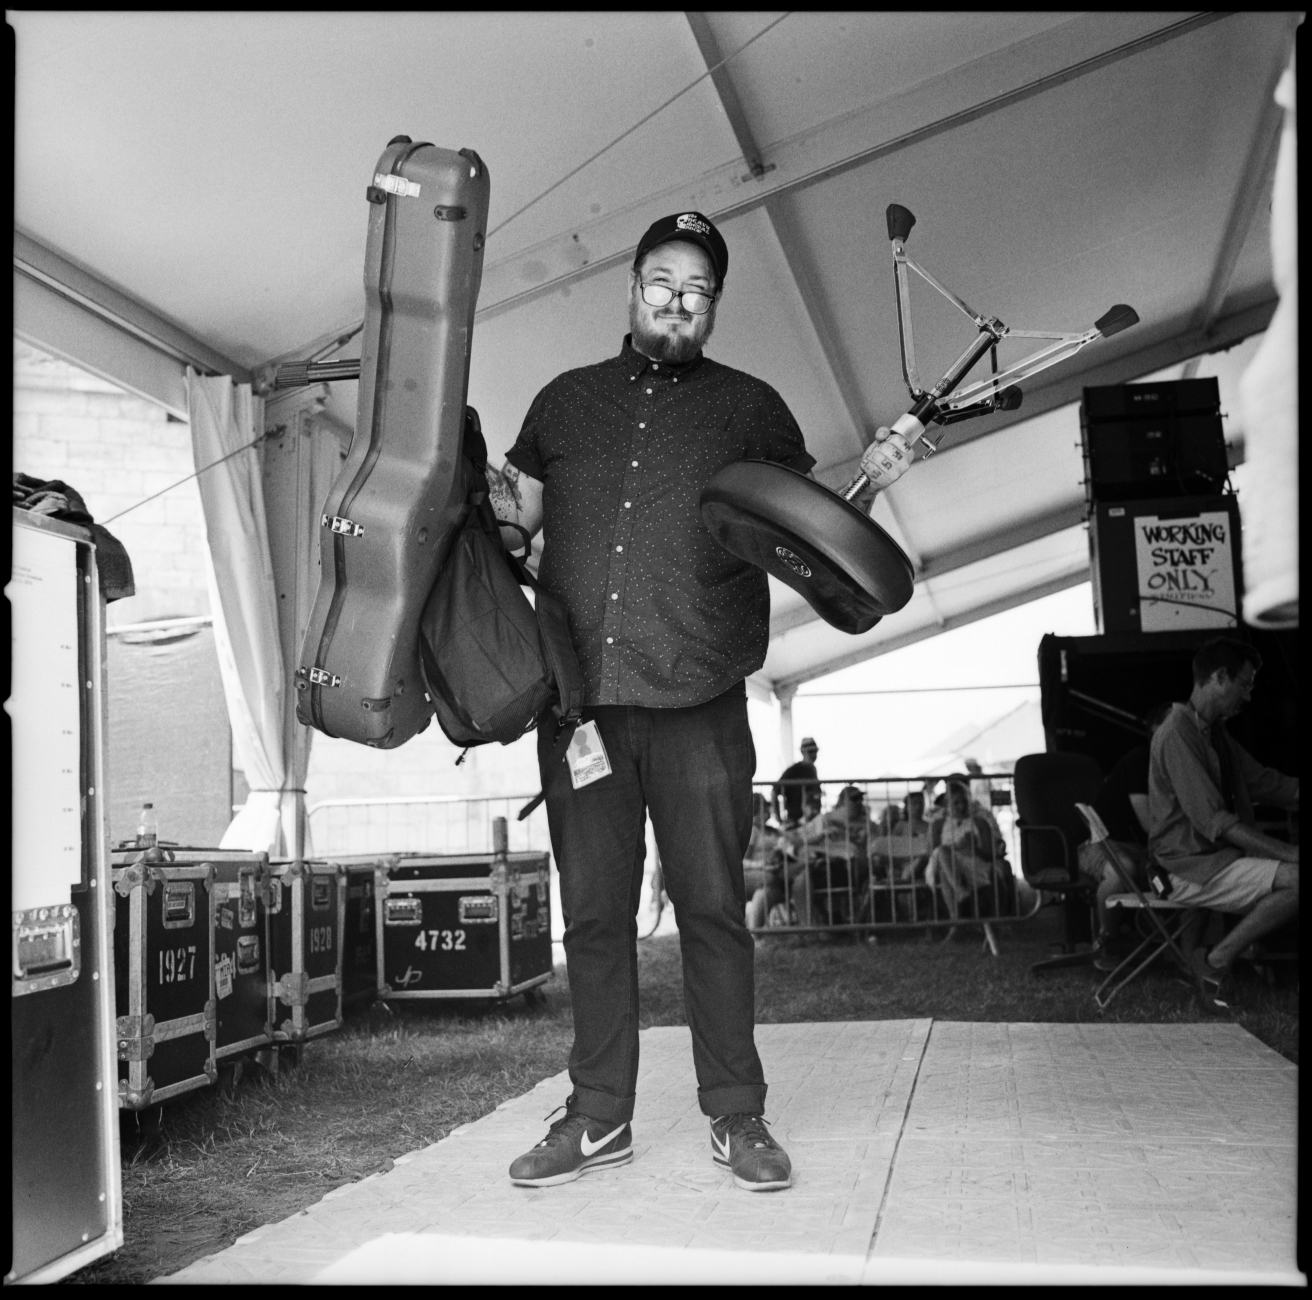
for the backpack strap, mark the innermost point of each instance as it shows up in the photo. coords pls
(553, 625)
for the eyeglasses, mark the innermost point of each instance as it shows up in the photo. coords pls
(661, 295)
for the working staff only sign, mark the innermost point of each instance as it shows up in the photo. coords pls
(1186, 572)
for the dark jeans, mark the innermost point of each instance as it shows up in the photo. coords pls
(692, 769)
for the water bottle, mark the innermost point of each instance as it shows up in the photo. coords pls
(147, 829)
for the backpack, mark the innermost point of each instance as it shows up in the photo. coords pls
(493, 662)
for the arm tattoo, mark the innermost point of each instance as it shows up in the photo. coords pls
(503, 491)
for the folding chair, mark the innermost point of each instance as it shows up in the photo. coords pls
(1150, 948)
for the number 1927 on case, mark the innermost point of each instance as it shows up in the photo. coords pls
(177, 965)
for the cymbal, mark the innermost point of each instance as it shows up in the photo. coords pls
(850, 571)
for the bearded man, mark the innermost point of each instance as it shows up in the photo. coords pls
(610, 463)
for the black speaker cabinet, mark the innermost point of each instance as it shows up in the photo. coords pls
(1153, 440)
(1166, 565)
(1097, 691)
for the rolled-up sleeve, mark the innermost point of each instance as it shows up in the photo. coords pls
(1198, 795)
(773, 433)
(526, 455)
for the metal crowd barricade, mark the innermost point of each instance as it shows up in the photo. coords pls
(849, 864)
(424, 824)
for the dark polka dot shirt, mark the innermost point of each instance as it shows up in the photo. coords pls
(660, 613)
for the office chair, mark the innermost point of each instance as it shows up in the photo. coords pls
(1048, 786)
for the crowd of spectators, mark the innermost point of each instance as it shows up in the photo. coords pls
(938, 854)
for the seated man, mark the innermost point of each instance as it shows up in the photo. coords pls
(968, 861)
(1201, 790)
(1122, 804)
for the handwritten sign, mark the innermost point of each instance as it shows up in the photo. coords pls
(1186, 572)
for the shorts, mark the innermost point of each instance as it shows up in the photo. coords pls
(1236, 888)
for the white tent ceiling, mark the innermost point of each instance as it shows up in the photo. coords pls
(198, 181)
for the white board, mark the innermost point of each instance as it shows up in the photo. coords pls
(1186, 572)
(45, 720)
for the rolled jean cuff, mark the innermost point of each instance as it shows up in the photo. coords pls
(601, 1106)
(746, 1099)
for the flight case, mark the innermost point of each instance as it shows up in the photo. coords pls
(474, 925)
(164, 971)
(359, 938)
(241, 956)
(64, 1153)
(306, 905)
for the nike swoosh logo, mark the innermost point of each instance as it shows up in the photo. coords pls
(591, 1148)
(721, 1147)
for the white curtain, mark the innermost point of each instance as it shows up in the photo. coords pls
(224, 417)
(1269, 393)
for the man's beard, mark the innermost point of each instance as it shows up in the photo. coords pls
(671, 348)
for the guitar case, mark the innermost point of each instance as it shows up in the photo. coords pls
(394, 508)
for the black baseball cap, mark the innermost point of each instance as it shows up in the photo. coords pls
(695, 229)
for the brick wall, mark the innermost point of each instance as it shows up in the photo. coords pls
(116, 449)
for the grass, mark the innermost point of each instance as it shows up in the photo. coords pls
(382, 1086)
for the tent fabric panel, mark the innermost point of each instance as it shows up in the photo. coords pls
(1140, 172)
(243, 601)
(967, 593)
(841, 62)
(1027, 471)
(65, 329)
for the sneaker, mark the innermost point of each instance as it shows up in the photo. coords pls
(573, 1145)
(743, 1144)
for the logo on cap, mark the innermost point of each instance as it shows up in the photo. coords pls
(691, 221)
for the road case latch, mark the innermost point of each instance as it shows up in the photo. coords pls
(479, 909)
(47, 950)
(248, 953)
(403, 911)
(317, 677)
(342, 527)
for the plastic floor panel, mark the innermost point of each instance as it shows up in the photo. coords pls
(922, 1151)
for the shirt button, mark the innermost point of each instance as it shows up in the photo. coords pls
(614, 595)
(610, 640)
(641, 425)
(676, 379)
(649, 390)
(628, 504)
(635, 464)
(655, 366)
(619, 548)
